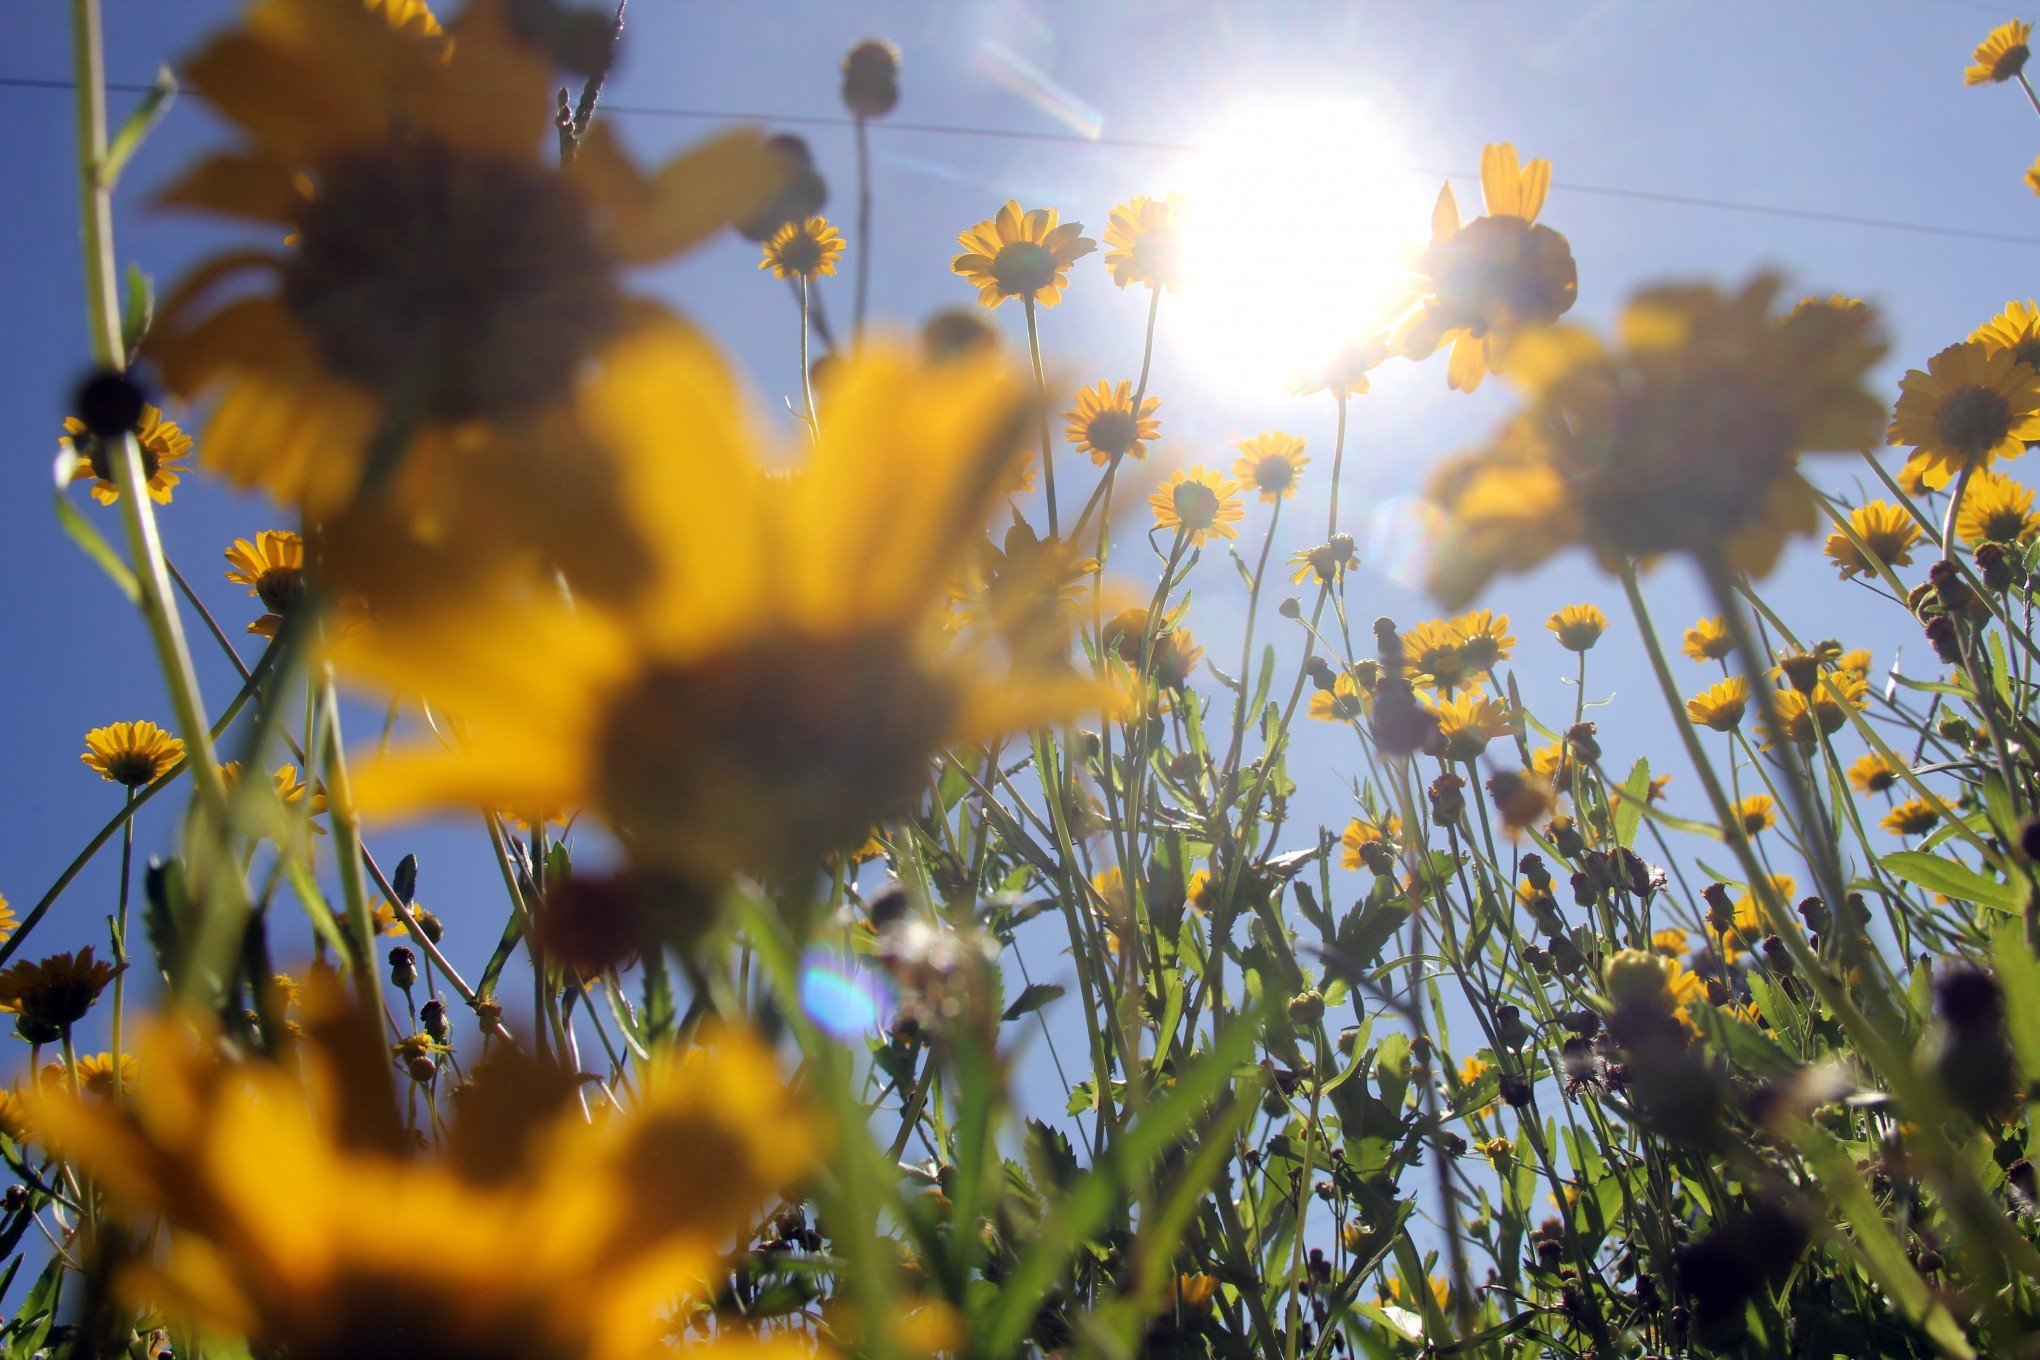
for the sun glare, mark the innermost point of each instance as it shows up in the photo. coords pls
(1301, 223)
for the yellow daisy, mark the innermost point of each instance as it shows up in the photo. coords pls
(2033, 175)
(1578, 626)
(1721, 706)
(1671, 940)
(56, 991)
(1199, 504)
(1872, 773)
(131, 753)
(1346, 701)
(1102, 423)
(8, 920)
(1272, 464)
(273, 569)
(1971, 405)
(1805, 718)
(1756, 813)
(782, 675)
(1363, 831)
(164, 448)
(1484, 639)
(1326, 563)
(1913, 817)
(1434, 655)
(1493, 277)
(1886, 530)
(803, 250)
(1468, 723)
(1708, 640)
(2001, 55)
(2016, 328)
(1996, 509)
(1142, 239)
(1024, 255)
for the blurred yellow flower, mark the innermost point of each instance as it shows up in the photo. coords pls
(1141, 242)
(164, 448)
(2001, 55)
(1971, 405)
(1345, 373)
(1886, 530)
(1024, 255)
(1872, 773)
(1271, 464)
(131, 753)
(803, 250)
(1198, 503)
(1493, 277)
(1102, 422)
(1671, 940)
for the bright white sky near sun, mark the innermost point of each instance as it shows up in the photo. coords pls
(1332, 120)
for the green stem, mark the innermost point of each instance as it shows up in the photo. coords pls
(1041, 392)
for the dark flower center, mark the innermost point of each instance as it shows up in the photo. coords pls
(1023, 267)
(1111, 432)
(1196, 506)
(1973, 419)
(281, 589)
(2010, 62)
(470, 285)
(1274, 473)
(1501, 272)
(802, 254)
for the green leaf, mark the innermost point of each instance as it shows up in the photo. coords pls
(85, 536)
(147, 114)
(1033, 998)
(1630, 801)
(137, 309)
(659, 1014)
(2018, 973)
(1958, 881)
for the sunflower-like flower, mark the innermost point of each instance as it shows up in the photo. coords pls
(552, 1237)
(1326, 563)
(1345, 702)
(56, 991)
(131, 753)
(1434, 655)
(164, 448)
(285, 781)
(1578, 626)
(1143, 240)
(1364, 831)
(1102, 423)
(1871, 773)
(1651, 979)
(1027, 587)
(1708, 640)
(445, 288)
(1996, 509)
(1199, 504)
(781, 676)
(1972, 404)
(1271, 464)
(1756, 814)
(1886, 530)
(1484, 640)
(1721, 706)
(8, 920)
(2016, 328)
(273, 569)
(2001, 55)
(1805, 718)
(1468, 723)
(1747, 928)
(803, 250)
(1685, 439)
(1494, 277)
(2033, 175)
(1913, 817)
(1023, 255)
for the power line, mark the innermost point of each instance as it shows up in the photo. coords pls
(1139, 144)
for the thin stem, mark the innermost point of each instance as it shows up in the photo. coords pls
(807, 385)
(120, 934)
(1338, 464)
(2027, 86)
(1041, 392)
(863, 229)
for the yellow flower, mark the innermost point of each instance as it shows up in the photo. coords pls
(1346, 701)
(1493, 278)
(95, 1073)
(445, 284)
(1886, 530)
(550, 1236)
(1399, 1292)
(782, 675)
(1973, 404)
(1365, 831)
(1198, 503)
(1327, 563)
(1721, 706)
(2016, 328)
(1652, 980)
(1684, 439)
(1027, 588)
(131, 753)
(1748, 926)
(1473, 1069)
(2033, 175)
(1484, 639)
(1102, 423)
(1192, 1292)
(1756, 813)
(1805, 718)
(1552, 764)
(1708, 640)
(1272, 464)
(1345, 373)
(1469, 723)
(1913, 817)
(803, 250)
(2001, 55)
(8, 920)
(1671, 940)
(164, 448)
(56, 991)
(1023, 255)
(1141, 242)
(1578, 626)
(273, 568)
(1996, 509)
(1872, 773)
(385, 919)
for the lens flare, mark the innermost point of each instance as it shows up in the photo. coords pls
(1299, 230)
(844, 1000)
(1398, 538)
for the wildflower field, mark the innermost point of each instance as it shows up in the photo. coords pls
(926, 844)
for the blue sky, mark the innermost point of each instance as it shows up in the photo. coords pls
(1849, 107)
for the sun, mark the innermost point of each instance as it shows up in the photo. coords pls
(1302, 220)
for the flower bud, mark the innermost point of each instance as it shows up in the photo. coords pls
(108, 404)
(403, 968)
(871, 78)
